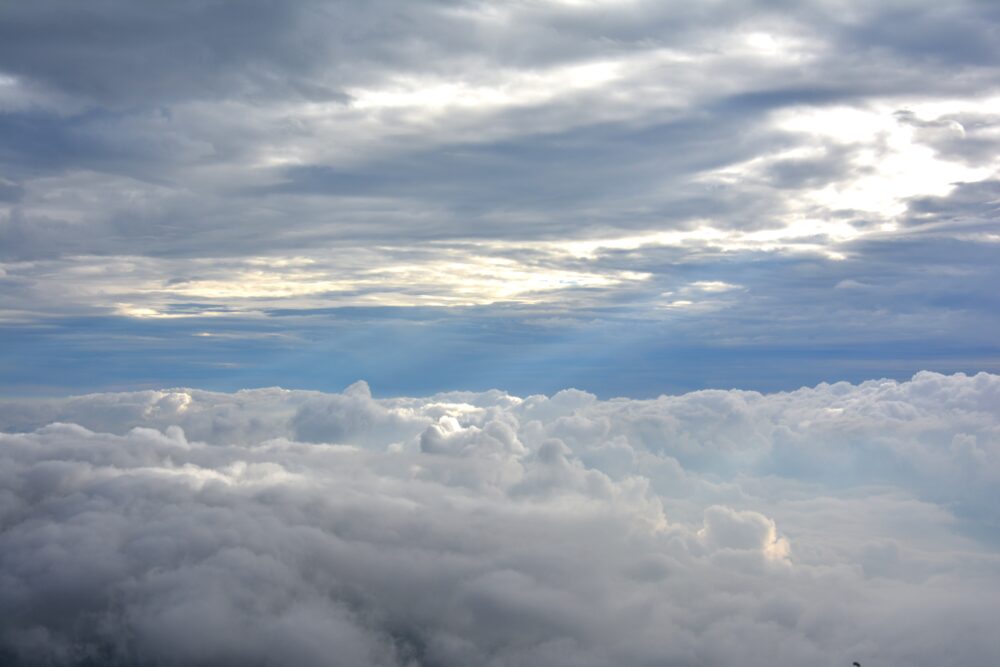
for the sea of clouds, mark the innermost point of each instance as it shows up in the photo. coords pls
(272, 527)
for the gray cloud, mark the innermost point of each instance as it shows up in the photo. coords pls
(143, 151)
(189, 97)
(109, 52)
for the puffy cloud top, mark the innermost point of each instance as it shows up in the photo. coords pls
(821, 526)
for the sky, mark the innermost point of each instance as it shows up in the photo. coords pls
(630, 198)
(413, 333)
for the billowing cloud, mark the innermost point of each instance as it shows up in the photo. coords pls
(820, 526)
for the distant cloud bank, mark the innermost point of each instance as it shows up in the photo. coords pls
(272, 527)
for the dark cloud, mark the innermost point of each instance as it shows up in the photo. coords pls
(971, 207)
(959, 34)
(111, 52)
(10, 191)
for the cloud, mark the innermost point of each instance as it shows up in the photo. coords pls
(824, 525)
(626, 197)
(578, 162)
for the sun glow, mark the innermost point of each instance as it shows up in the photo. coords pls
(888, 164)
(298, 282)
(430, 96)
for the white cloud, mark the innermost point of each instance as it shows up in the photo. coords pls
(141, 287)
(820, 526)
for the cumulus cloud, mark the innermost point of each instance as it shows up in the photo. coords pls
(821, 526)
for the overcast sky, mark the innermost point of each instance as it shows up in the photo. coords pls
(622, 196)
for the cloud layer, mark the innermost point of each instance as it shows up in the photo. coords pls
(830, 167)
(821, 526)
